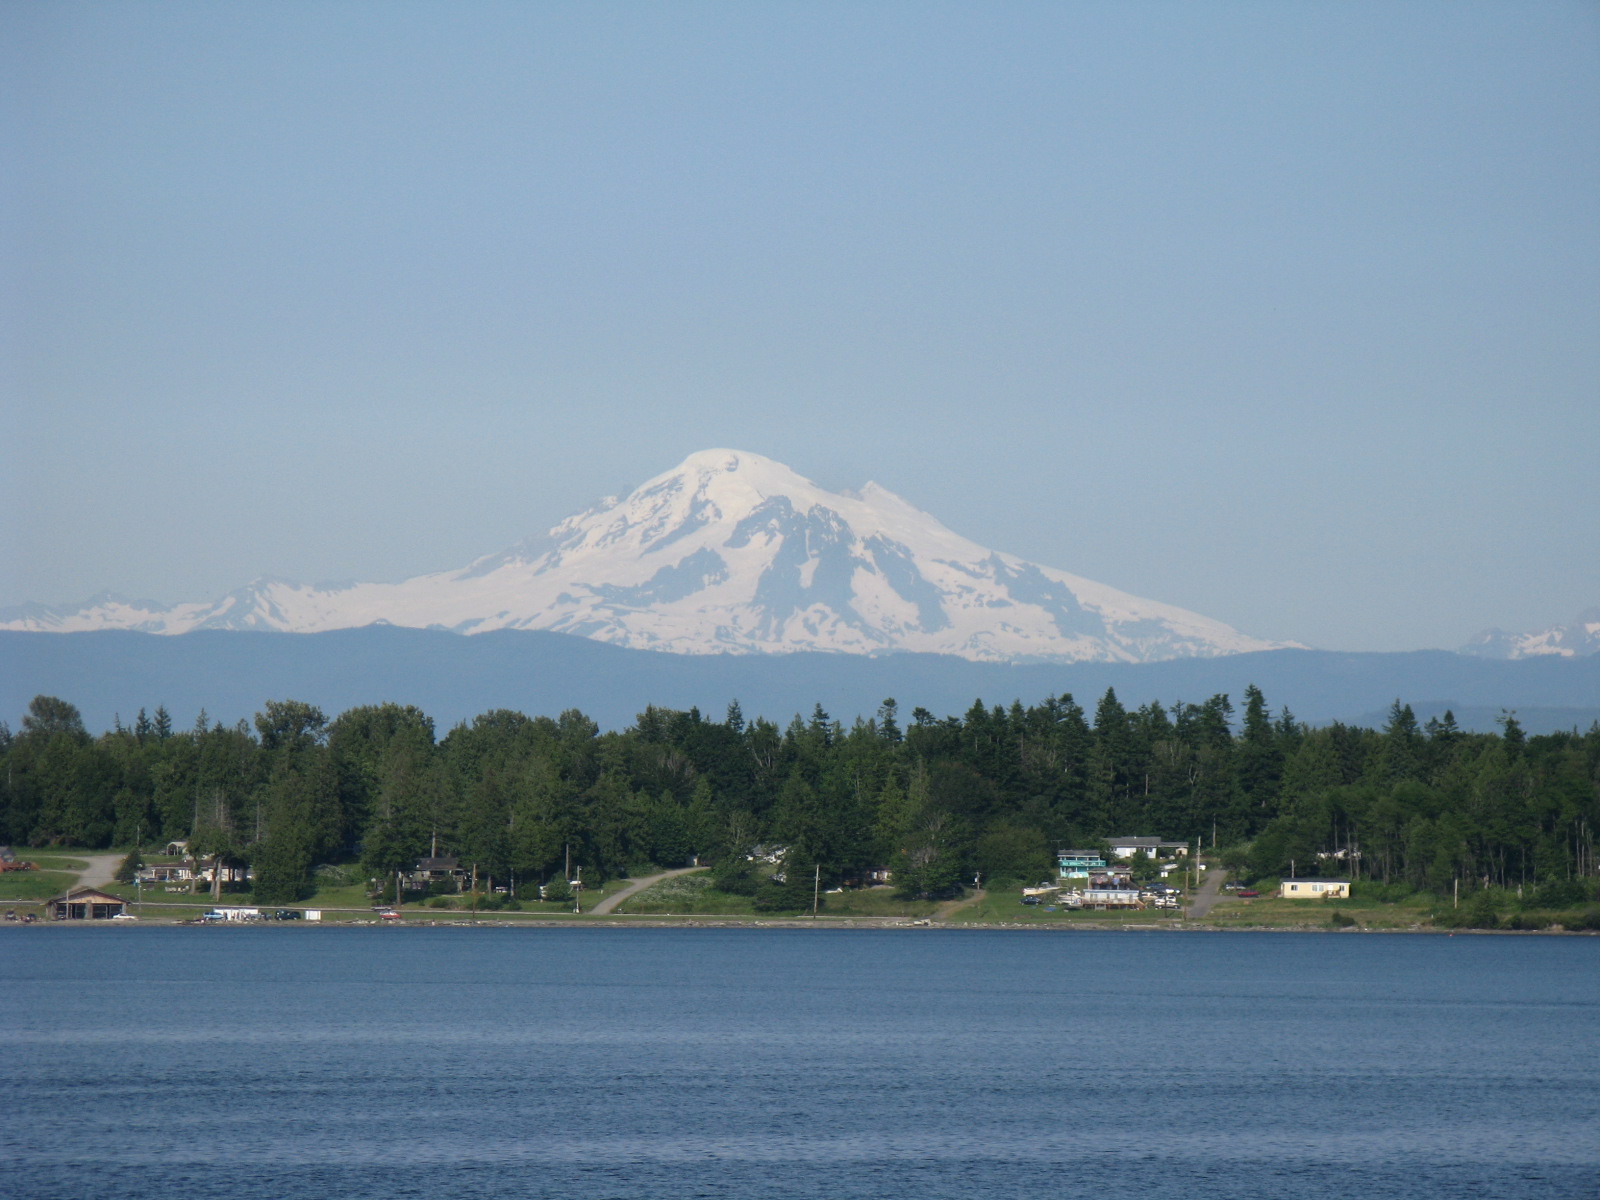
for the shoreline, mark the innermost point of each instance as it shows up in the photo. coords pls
(685, 921)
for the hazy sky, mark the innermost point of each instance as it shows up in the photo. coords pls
(1285, 313)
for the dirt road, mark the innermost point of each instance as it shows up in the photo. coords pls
(102, 869)
(1210, 892)
(611, 902)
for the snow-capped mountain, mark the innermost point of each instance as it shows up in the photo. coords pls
(729, 552)
(1574, 640)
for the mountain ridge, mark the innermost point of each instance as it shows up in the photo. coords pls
(232, 674)
(729, 552)
(1576, 639)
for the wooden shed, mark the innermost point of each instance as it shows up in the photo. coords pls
(85, 904)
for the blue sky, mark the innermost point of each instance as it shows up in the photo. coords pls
(1285, 313)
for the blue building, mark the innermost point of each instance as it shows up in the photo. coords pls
(1076, 864)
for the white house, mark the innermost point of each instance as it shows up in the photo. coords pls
(1314, 889)
(1148, 846)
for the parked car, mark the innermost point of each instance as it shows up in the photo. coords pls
(288, 914)
(1030, 899)
(1247, 893)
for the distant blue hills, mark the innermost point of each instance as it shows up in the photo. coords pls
(231, 674)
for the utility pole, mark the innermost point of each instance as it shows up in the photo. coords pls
(577, 895)
(474, 891)
(816, 891)
(399, 890)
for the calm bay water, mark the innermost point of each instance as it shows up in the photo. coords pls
(589, 1063)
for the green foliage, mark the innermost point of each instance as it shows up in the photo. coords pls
(736, 877)
(792, 895)
(1561, 893)
(995, 791)
(129, 867)
(1373, 891)
(333, 875)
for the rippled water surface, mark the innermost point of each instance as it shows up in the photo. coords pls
(591, 1063)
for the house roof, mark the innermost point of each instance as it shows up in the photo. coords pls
(85, 895)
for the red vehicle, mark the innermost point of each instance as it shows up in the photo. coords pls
(1247, 893)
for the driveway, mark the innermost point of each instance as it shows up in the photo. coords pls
(611, 902)
(1210, 892)
(102, 869)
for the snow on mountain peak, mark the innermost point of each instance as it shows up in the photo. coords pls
(1578, 638)
(732, 552)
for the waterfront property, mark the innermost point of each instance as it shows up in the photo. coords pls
(437, 869)
(1314, 889)
(85, 904)
(1129, 847)
(193, 871)
(1076, 864)
(1111, 897)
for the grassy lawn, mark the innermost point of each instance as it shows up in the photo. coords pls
(1318, 914)
(34, 885)
(875, 902)
(48, 861)
(694, 895)
(1007, 906)
(35, 853)
(688, 895)
(329, 897)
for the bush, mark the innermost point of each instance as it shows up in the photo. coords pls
(788, 897)
(1480, 911)
(558, 890)
(736, 877)
(334, 875)
(1559, 893)
(1382, 893)
(129, 867)
(438, 902)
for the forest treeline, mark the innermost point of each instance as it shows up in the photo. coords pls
(995, 791)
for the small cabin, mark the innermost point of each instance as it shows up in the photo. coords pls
(1314, 889)
(85, 904)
